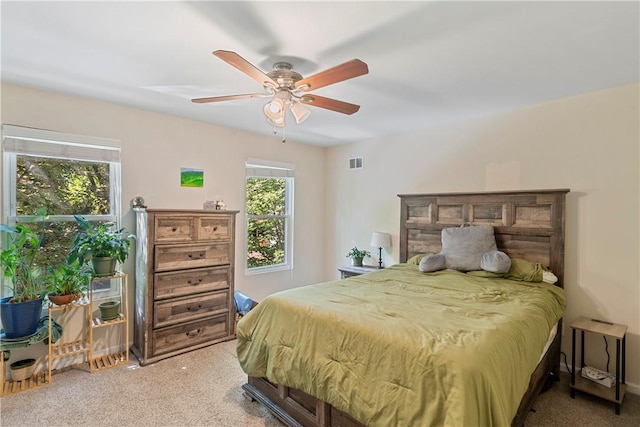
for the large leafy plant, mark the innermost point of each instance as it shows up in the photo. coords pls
(99, 240)
(21, 245)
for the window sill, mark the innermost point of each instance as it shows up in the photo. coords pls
(270, 269)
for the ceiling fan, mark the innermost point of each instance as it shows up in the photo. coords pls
(289, 89)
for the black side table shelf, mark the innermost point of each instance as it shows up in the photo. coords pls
(613, 394)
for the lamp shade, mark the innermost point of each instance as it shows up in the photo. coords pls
(274, 110)
(381, 240)
(299, 112)
(278, 123)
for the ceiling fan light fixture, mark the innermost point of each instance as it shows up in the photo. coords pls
(300, 113)
(274, 110)
(279, 122)
(287, 88)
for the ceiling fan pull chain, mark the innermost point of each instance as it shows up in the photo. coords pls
(284, 133)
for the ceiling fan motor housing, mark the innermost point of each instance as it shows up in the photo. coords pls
(284, 75)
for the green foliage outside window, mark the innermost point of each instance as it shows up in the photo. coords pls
(266, 210)
(63, 187)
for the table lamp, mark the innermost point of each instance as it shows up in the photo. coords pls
(380, 240)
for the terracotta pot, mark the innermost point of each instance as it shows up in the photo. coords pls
(63, 299)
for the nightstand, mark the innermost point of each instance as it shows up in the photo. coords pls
(615, 393)
(350, 270)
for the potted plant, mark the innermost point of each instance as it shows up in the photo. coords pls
(68, 281)
(102, 244)
(20, 312)
(357, 255)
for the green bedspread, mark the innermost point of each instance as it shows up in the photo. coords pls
(398, 347)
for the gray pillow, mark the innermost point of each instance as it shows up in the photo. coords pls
(495, 262)
(463, 246)
(432, 262)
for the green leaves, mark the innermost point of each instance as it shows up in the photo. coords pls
(17, 261)
(266, 207)
(358, 253)
(68, 278)
(99, 240)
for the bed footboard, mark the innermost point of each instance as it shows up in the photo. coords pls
(296, 408)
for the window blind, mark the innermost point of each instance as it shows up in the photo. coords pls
(268, 168)
(45, 143)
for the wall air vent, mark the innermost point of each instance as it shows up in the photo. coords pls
(356, 163)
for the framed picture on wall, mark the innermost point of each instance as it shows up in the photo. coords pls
(190, 177)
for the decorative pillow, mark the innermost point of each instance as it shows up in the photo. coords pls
(521, 270)
(463, 246)
(415, 260)
(525, 271)
(549, 277)
(495, 262)
(432, 262)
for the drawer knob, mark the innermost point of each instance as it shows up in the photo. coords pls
(194, 333)
(174, 229)
(215, 228)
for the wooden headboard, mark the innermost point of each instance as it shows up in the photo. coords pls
(527, 224)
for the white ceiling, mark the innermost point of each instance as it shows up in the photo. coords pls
(429, 62)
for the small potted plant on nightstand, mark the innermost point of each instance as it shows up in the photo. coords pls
(357, 255)
(101, 243)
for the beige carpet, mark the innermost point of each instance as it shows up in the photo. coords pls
(203, 388)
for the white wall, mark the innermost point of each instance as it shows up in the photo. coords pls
(155, 146)
(586, 143)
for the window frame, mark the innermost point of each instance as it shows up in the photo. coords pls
(64, 147)
(268, 169)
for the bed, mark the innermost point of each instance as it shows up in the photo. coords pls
(451, 388)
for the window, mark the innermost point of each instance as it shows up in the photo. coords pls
(269, 207)
(67, 175)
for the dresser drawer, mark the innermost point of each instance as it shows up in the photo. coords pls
(179, 310)
(192, 333)
(214, 228)
(178, 257)
(174, 229)
(188, 282)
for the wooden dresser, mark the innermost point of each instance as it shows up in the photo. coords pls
(184, 281)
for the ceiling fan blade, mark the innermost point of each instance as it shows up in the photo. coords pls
(229, 97)
(246, 67)
(329, 104)
(346, 71)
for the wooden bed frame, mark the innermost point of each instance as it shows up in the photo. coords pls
(527, 224)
